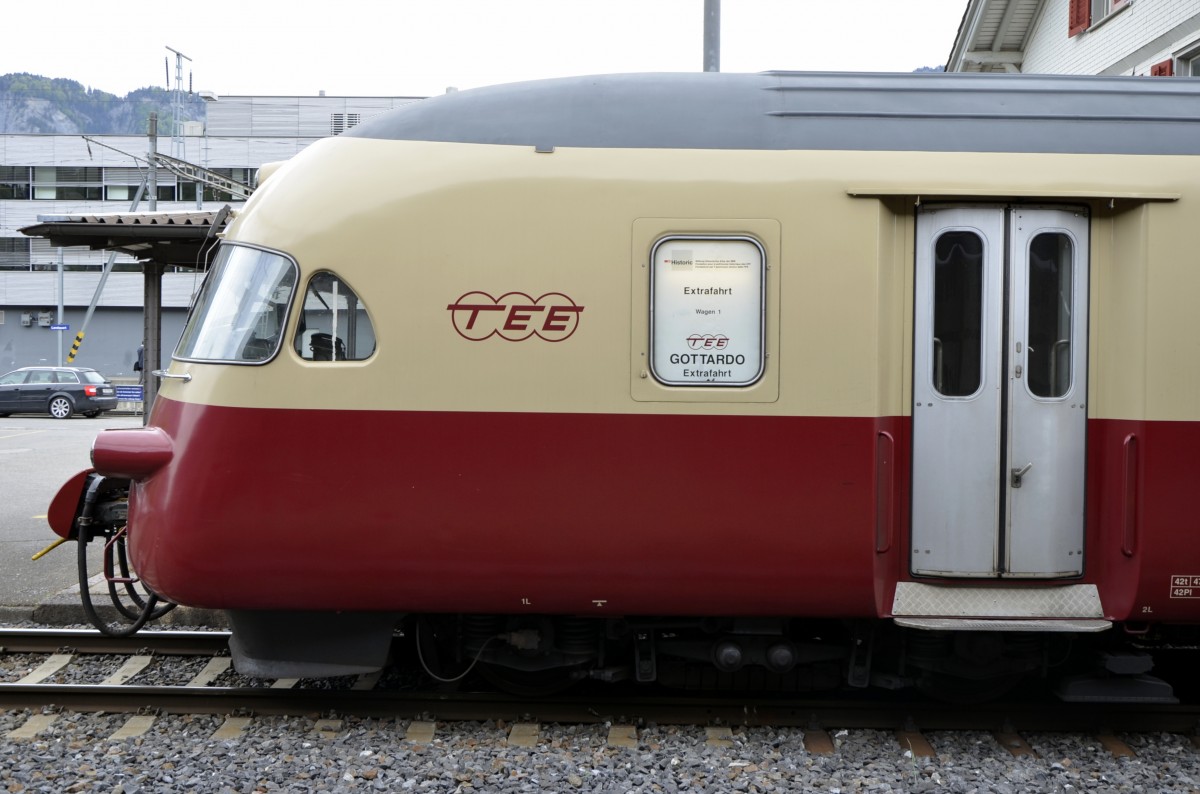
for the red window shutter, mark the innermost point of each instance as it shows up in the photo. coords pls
(1163, 68)
(1080, 17)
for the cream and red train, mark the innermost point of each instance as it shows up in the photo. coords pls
(804, 379)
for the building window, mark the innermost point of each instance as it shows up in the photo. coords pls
(1100, 9)
(67, 183)
(68, 192)
(14, 252)
(243, 175)
(67, 174)
(127, 192)
(14, 190)
(14, 182)
(340, 122)
(1187, 62)
(1084, 14)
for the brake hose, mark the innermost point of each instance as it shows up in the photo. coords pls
(82, 538)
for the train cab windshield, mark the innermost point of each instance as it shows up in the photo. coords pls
(241, 311)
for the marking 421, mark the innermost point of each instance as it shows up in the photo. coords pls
(1185, 586)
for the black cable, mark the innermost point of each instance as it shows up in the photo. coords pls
(83, 536)
(127, 579)
(89, 608)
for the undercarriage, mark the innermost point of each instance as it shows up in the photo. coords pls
(549, 653)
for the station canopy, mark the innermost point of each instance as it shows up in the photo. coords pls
(180, 239)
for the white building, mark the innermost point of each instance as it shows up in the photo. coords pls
(44, 176)
(1108, 37)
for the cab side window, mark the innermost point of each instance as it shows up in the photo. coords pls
(334, 324)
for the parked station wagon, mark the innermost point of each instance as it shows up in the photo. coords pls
(58, 391)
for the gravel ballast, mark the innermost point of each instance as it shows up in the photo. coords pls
(180, 753)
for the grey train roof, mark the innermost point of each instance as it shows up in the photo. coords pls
(811, 110)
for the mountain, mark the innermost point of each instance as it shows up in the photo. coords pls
(30, 103)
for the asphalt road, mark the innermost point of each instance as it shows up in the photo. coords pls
(37, 455)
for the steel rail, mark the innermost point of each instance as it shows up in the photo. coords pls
(596, 704)
(90, 641)
(1030, 716)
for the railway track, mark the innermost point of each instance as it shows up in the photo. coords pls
(213, 730)
(211, 687)
(89, 641)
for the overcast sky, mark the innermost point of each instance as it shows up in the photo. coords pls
(420, 47)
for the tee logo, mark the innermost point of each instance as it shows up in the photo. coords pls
(708, 341)
(514, 316)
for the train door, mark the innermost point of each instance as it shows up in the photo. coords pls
(999, 392)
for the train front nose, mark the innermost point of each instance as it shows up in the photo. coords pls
(132, 453)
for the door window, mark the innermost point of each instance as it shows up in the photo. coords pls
(1049, 334)
(958, 314)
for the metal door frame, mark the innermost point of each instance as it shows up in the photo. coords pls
(965, 478)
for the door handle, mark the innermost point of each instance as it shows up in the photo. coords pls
(1019, 474)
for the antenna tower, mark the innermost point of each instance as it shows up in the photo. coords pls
(177, 105)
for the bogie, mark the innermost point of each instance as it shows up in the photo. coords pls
(535, 655)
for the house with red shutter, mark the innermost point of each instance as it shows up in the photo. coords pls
(1110, 37)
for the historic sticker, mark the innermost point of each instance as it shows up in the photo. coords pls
(706, 321)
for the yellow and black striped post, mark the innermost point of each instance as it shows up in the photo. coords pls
(75, 347)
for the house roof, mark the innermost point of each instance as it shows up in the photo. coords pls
(993, 34)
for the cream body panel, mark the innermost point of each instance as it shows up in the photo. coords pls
(411, 226)
(1117, 337)
(1172, 290)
